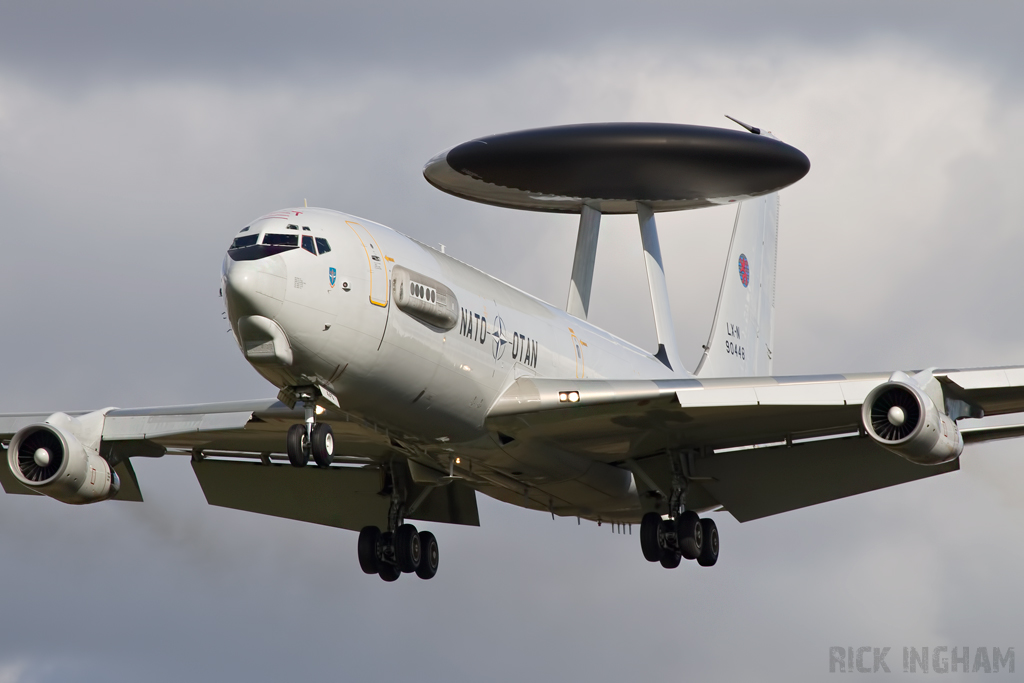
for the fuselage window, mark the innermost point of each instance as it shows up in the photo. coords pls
(321, 244)
(291, 226)
(307, 244)
(281, 240)
(245, 241)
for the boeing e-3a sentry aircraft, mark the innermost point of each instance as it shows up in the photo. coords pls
(413, 380)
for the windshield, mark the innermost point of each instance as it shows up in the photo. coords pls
(281, 240)
(244, 241)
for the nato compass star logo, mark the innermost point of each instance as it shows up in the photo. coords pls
(332, 275)
(499, 338)
(744, 270)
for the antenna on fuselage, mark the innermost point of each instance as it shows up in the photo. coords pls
(752, 129)
(618, 168)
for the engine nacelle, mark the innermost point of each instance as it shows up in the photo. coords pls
(901, 417)
(50, 460)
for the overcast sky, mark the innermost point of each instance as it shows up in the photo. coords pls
(136, 138)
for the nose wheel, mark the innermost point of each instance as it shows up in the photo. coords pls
(310, 439)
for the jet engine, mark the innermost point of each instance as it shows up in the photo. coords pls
(51, 461)
(903, 418)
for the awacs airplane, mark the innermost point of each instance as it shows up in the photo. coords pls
(413, 380)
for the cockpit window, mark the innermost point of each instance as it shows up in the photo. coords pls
(322, 245)
(244, 241)
(245, 229)
(291, 226)
(306, 228)
(307, 244)
(281, 240)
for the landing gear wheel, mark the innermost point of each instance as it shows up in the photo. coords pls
(670, 559)
(429, 556)
(690, 535)
(407, 548)
(298, 456)
(389, 572)
(322, 445)
(368, 538)
(649, 536)
(668, 554)
(709, 551)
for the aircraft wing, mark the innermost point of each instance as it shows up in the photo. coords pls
(759, 446)
(238, 457)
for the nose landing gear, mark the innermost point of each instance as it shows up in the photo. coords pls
(310, 438)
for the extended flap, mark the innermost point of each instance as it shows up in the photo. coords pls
(342, 497)
(758, 482)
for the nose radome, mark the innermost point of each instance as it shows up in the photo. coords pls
(254, 287)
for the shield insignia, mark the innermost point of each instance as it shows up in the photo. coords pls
(332, 275)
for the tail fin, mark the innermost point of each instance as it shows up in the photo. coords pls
(742, 335)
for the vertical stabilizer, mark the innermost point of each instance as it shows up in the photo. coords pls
(742, 335)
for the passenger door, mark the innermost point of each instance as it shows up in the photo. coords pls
(378, 266)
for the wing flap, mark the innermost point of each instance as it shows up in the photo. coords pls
(10, 483)
(348, 498)
(997, 391)
(342, 497)
(981, 434)
(759, 482)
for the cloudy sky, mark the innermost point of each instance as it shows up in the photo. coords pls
(136, 138)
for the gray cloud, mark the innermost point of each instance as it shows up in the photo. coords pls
(69, 41)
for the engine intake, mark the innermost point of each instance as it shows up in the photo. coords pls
(51, 461)
(904, 419)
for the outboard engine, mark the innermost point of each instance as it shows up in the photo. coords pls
(49, 459)
(902, 416)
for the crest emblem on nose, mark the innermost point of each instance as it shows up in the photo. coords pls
(332, 275)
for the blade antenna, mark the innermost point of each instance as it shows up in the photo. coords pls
(752, 129)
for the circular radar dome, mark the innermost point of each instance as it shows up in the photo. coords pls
(612, 166)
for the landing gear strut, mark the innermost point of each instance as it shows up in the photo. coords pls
(683, 534)
(310, 438)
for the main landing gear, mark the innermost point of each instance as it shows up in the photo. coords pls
(310, 438)
(403, 551)
(683, 535)
(670, 540)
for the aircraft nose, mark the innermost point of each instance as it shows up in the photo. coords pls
(254, 287)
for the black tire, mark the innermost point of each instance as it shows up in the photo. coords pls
(389, 572)
(407, 548)
(429, 556)
(367, 546)
(649, 537)
(297, 455)
(670, 559)
(322, 445)
(709, 552)
(690, 535)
